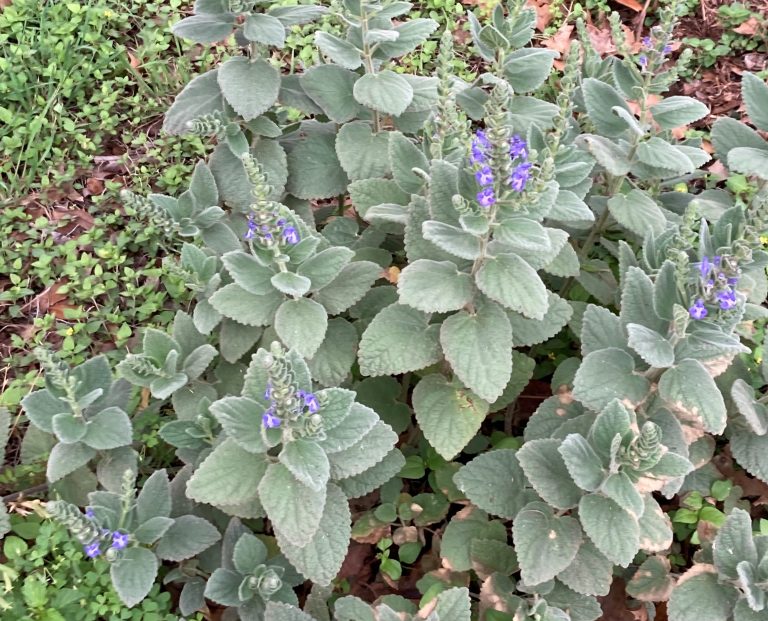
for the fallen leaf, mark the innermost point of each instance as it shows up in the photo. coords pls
(601, 39)
(356, 561)
(94, 186)
(561, 40)
(133, 60)
(392, 274)
(543, 13)
(59, 310)
(47, 298)
(719, 170)
(749, 27)
(631, 4)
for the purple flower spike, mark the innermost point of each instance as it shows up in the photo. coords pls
(281, 222)
(520, 176)
(727, 299)
(268, 392)
(667, 49)
(480, 145)
(698, 311)
(484, 176)
(269, 420)
(119, 541)
(643, 61)
(486, 197)
(517, 147)
(733, 281)
(705, 267)
(646, 41)
(92, 550)
(89, 513)
(313, 405)
(291, 235)
(476, 156)
(251, 228)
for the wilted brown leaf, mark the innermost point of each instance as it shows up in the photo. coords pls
(94, 186)
(631, 4)
(392, 274)
(47, 298)
(543, 14)
(561, 40)
(601, 39)
(749, 27)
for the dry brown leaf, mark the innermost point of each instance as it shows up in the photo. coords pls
(751, 487)
(719, 170)
(749, 27)
(50, 296)
(392, 274)
(631, 4)
(543, 14)
(561, 40)
(652, 100)
(94, 186)
(601, 39)
(133, 60)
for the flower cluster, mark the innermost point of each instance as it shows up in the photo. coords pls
(718, 278)
(648, 44)
(116, 539)
(299, 402)
(271, 230)
(479, 156)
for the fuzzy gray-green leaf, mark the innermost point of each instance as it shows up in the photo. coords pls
(293, 507)
(513, 283)
(385, 91)
(301, 325)
(398, 340)
(478, 347)
(434, 286)
(495, 482)
(546, 470)
(545, 544)
(448, 415)
(689, 390)
(612, 529)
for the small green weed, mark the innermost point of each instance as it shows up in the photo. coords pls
(80, 281)
(50, 579)
(74, 76)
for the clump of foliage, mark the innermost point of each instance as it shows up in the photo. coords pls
(79, 281)
(402, 249)
(52, 122)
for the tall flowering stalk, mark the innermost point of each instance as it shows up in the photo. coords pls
(85, 527)
(288, 403)
(268, 223)
(717, 278)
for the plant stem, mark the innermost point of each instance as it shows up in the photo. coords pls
(368, 61)
(614, 185)
(26, 492)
